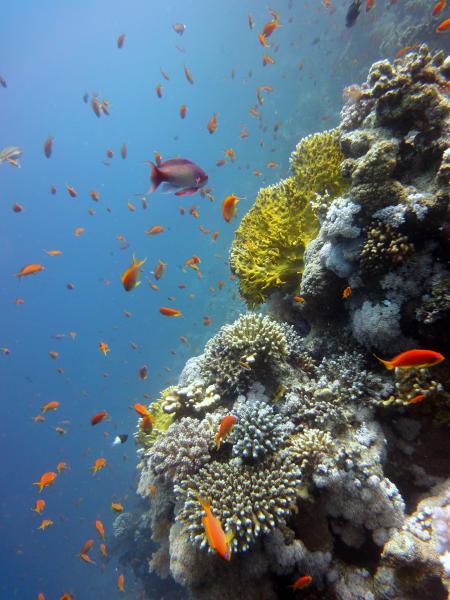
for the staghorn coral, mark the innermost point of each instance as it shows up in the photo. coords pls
(267, 253)
(239, 352)
(259, 429)
(250, 499)
(182, 450)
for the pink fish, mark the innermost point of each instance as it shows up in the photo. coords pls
(177, 174)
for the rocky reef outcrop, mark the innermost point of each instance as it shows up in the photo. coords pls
(336, 467)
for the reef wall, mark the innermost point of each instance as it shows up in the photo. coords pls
(333, 468)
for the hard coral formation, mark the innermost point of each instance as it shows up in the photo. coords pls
(239, 352)
(268, 251)
(249, 499)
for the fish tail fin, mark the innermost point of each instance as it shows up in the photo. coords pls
(40, 486)
(387, 363)
(155, 176)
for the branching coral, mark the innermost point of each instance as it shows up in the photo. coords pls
(259, 429)
(307, 448)
(238, 352)
(412, 386)
(267, 253)
(250, 500)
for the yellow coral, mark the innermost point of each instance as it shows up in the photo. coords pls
(162, 422)
(270, 242)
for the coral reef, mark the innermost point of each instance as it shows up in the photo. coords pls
(336, 467)
(267, 253)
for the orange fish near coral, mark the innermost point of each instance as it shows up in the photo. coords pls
(229, 207)
(439, 7)
(98, 418)
(117, 506)
(302, 582)
(29, 270)
(45, 523)
(120, 583)
(413, 359)
(443, 27)
(130, 277)
(218, 540)
(48, 478)
(52, 405)
(170, 312)
(142, 410)
(225, 427)
(417, 399)
(347, 292)
(100, 528)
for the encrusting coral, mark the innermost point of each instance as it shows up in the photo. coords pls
(267, 253)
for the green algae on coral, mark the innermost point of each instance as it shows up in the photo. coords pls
(267, 253)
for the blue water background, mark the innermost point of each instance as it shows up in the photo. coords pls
(51, 53)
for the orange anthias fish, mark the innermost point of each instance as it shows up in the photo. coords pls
(98, 418)
(100, 528)
(120, 583)
(269, 28)
(41, 596)
(142, 410)
(267, 60)
(154, 230)
(262, 40)
(71, 191)
(48, 146)
(183, 111)
(369, 5)
(87, 558)
(158, 271)
(45, 523)
(347, 292)
(103, 550)
(212, 123)
(217, 538)
(302, 582)
(39, 506)
(170, 312)
(188, 75)
(52, 405)
(413, 359)
(98, 465)
(117, 506)
(225, 427)
(120, 40)
(443, 27)
(46, 479)
(130, 276)
(53, 252)
(87, 546)
(61, 466)
(229, 207)
(30, 269)
(103, 347)
(439, 7)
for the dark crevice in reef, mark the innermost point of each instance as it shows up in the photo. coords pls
(366, 556)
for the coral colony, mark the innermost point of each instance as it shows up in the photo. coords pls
(335, 466)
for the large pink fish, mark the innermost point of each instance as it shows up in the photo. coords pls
(177, 174)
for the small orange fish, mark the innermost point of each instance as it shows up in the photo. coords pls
(98, 418)
(170, 312)
(244, 133)
(30, 269)
(417, 399)
(188, 75)
(17, 207)
(218, 540)
(194, 212)
(48, 478)
(254, 112)
(19, 301)
(78, 231)
(269, 28)
(117, 506)
(301, 583)
(70, 286)
(439, 7)
(61, 466)
(158, 90)
(131, 274)
(87, 546)
(257, 173)
(413, 359)
(38, 419)
(110, 153)
(225, 428)
(214, 235)
(229, 207)
(142, 410)
(220, 163)
(39, 506)
(263, 41)
(298, 299)
(52, 405)
(131, 207)
(272, 165)
(267, 60)
(369, 5)
(158, 271)
(71, 191)
(206, 321)
(123, 151)
(143, 372)
(212, 123)
(103, 550)
(347, 292)
(98, 465)
(53, 252)
(183, 110)
(120, 40)
(41, 596)
(53, 354)
(103, 347)
(100, 528)
(230, 153)
(45, 523)
(120, 583)
(66, 596)
(86, 558)
(443, 27)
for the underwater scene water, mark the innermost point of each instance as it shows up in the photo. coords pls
(225, 300)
